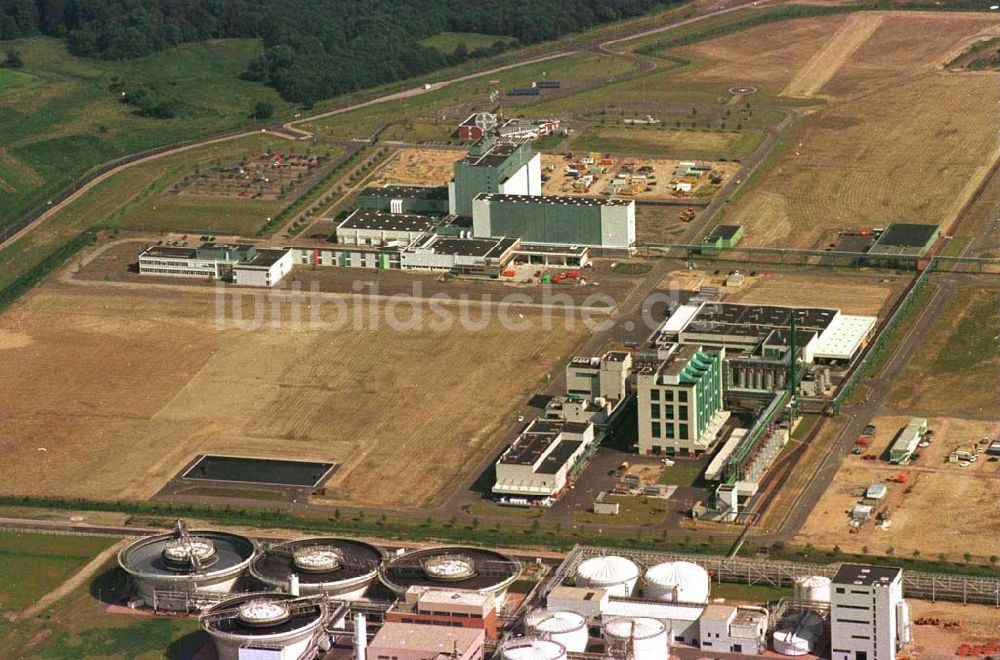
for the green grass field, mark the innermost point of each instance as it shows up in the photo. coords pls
(447, 42)
(61, 115)
(133, 199)
(78, 627)
(31, 564)
(12, 79)
(972, 341)
(671, 142)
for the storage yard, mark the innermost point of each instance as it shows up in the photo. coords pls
(595, 175)
(419, 166)
(940, 507)
(172, 385)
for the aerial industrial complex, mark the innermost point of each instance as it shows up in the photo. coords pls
(309, 597)
(623, 331)
(496, 190)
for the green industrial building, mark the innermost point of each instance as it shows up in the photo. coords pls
(494, 165)
(555, 220)
(723, 236)
(410, 200)
(680, 402)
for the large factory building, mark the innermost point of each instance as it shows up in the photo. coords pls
(608, 223)
(495, 165)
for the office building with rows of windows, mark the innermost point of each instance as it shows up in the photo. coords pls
(680, 401)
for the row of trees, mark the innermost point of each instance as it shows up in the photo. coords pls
(313, 48)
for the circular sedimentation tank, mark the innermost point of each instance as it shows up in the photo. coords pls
(339, 568)
(530, 648)
(186, 570)
(567, 628)
(473, 569)
(644, 638)
(617, 575)
(676, 581)
(293, 625)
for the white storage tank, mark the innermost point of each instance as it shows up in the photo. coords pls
(530, 648)
(567, 628)
(903, 630)
(640, 638)
(676, 581)
(798, 633)
(814, 587)
(616, 575)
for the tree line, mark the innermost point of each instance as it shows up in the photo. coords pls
(313, 49)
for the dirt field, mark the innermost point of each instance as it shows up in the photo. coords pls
(658, 183)
(838, 48)
(872, 155)
(421, 166)
(868, 294)
(956, 368)
(948, 508)
(762, 55)
(145, 380)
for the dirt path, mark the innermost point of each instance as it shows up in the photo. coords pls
(827, 61)
(81, 576)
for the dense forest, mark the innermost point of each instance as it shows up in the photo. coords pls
(313, 49)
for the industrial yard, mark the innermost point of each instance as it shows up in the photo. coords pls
(934, 505)
(634, 178)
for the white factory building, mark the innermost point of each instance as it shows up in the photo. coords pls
(869, 620)
(376, 228)
(266, 268)
(539, 463)
(244, 264)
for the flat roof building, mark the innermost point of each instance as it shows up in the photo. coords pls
(723, 236)
(404, 641)
(867, 613)
(542, 459)
(446, 607)
(410, 199)
(266, 268)
(376, 227)
(908, 440)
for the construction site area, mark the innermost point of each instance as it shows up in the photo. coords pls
(596, 174)
(938, 498)
(410, 165)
